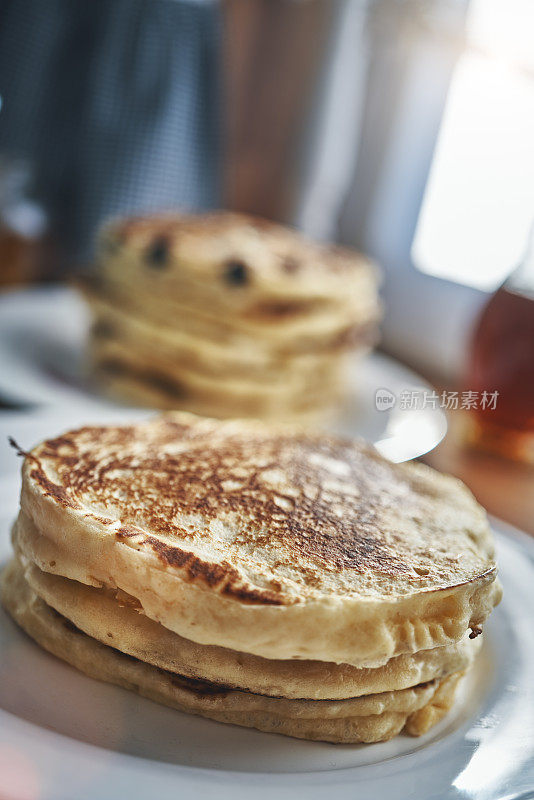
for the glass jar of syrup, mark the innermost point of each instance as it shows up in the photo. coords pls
(501, 364)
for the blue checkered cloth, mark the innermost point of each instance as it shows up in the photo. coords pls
(115, 103)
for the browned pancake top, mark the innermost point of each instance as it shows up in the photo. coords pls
(177, 235)
(267, 514)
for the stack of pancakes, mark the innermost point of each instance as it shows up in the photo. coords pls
(227, 315)
(276, 579)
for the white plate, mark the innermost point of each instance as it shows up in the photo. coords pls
(64, 736)
(42, 339)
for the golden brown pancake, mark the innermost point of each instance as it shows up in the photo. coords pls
(251, 265)
(364, 719)
(223, 300)
(271, 541)
(110, 617)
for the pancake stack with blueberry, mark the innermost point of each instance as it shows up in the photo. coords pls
(227, 315)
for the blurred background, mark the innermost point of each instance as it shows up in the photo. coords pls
(400, 127)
